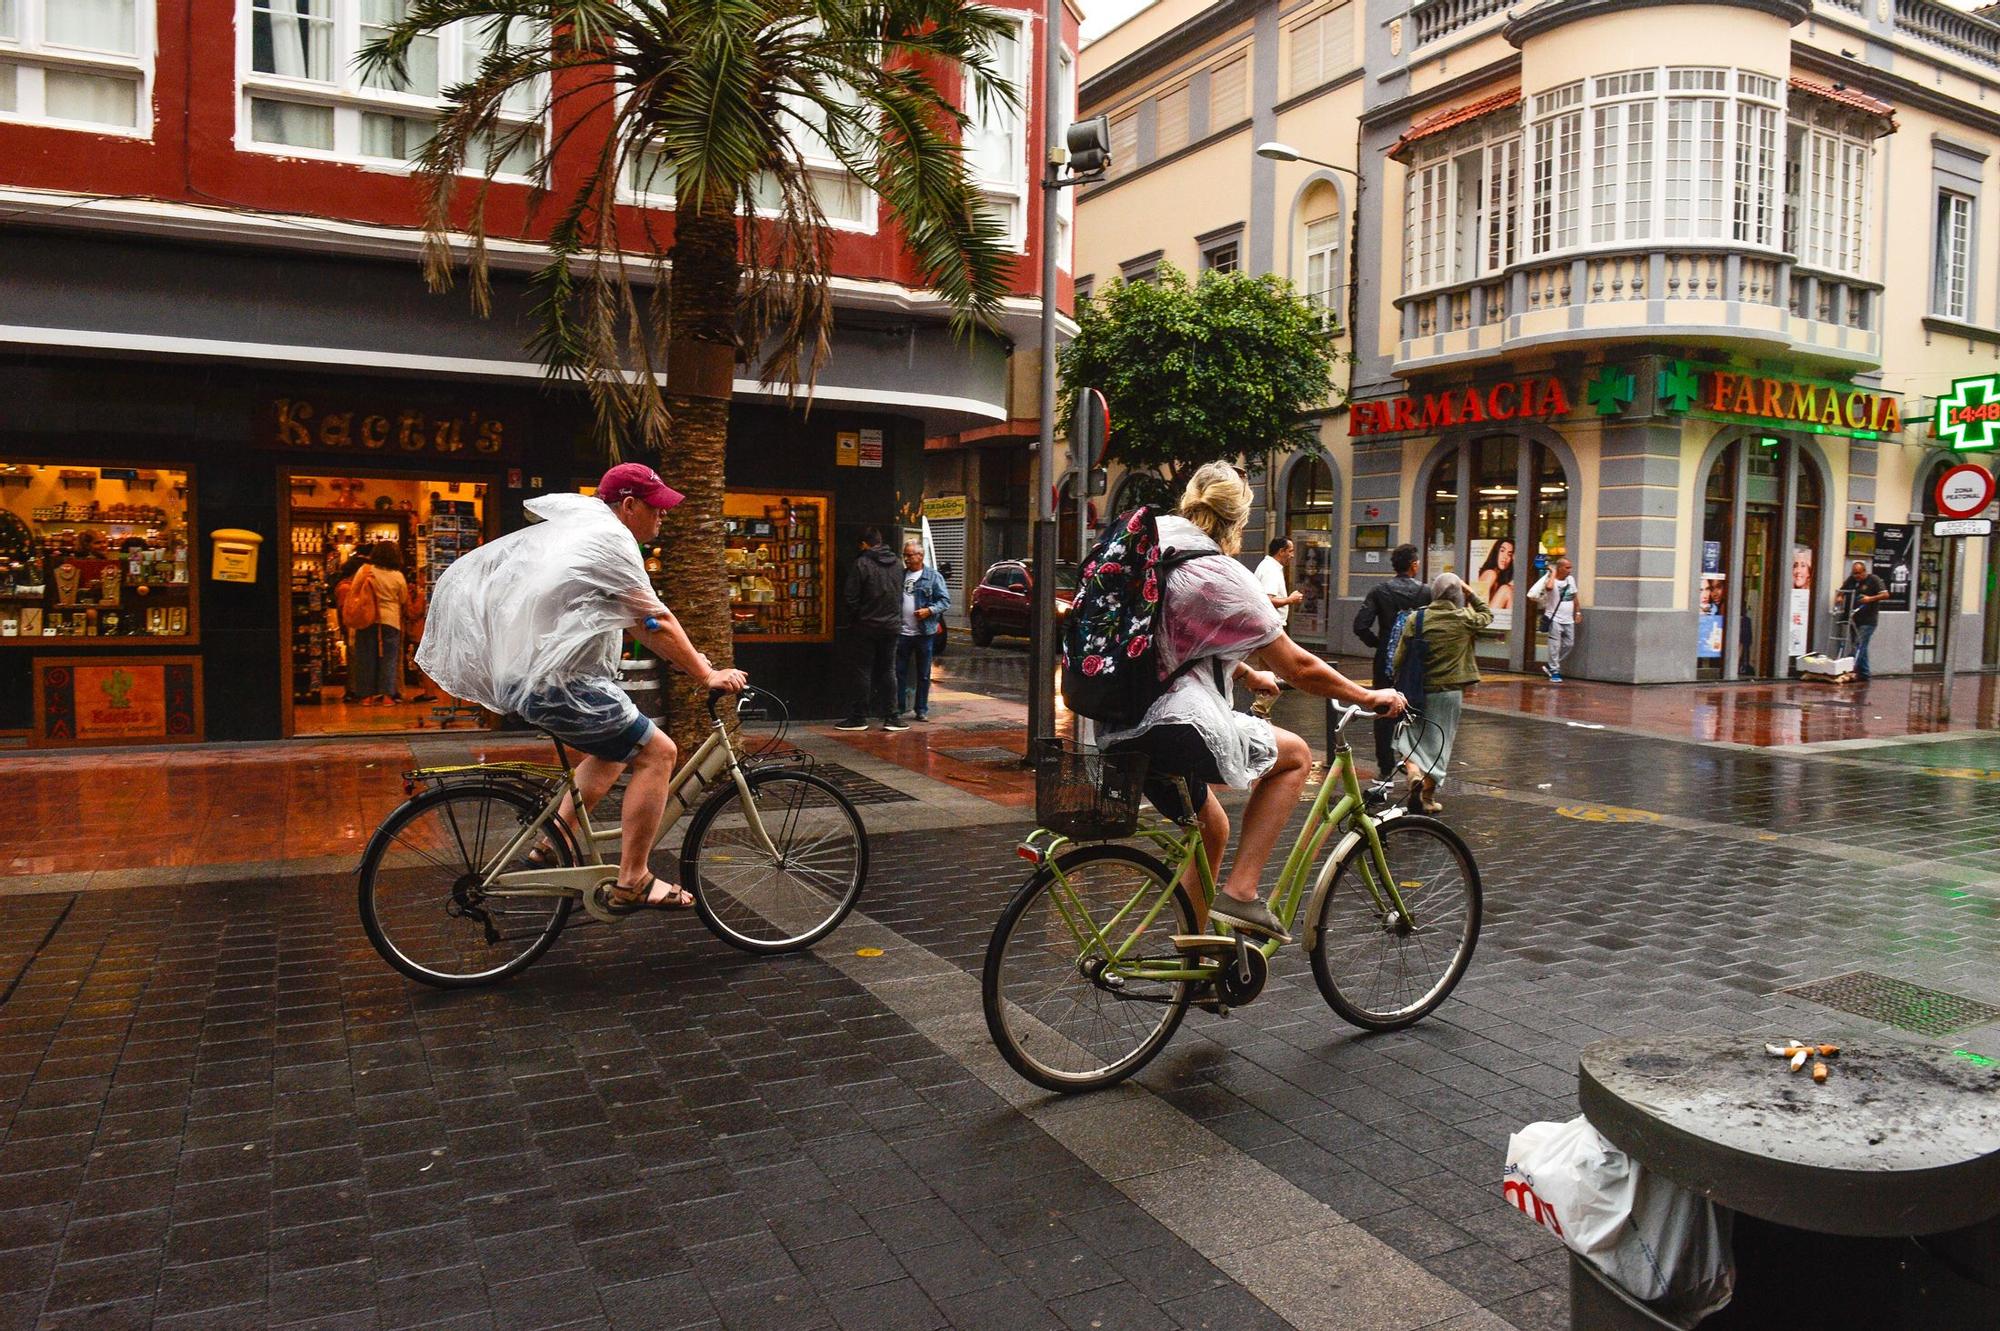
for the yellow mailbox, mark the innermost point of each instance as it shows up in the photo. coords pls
(235, 554)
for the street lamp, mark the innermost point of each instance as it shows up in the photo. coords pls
(1285, 152)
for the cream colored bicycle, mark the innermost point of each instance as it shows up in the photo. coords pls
(454, 892)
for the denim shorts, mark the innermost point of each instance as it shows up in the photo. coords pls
(593, 716)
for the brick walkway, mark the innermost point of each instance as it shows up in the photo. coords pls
(218, 1108)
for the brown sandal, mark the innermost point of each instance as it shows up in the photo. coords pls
(624, 900)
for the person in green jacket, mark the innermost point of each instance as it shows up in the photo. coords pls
(1451, 626)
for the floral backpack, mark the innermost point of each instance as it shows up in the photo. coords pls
(1111, 661)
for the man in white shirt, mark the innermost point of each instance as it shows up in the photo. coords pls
(1271, 577)
(1555, 597)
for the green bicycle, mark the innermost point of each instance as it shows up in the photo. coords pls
(1097, 958)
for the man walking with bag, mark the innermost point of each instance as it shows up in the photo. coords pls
(1377, 616)
(1555, 596)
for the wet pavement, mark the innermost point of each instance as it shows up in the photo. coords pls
(219, 1108)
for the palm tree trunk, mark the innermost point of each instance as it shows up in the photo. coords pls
(703, 304)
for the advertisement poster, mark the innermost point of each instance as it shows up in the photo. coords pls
(1493, 579)
(97, 701)
(871, 448)
(1714, 606)
(1312, 573)
(1894, 561)
(1800, 614)
(1440, 559)
(847, 448)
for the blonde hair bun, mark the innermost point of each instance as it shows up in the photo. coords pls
(1217, 500)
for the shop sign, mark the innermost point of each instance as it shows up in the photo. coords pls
(1815, 407)
(1968, 417)
(1540, 398)
(301, 425)
(1894, 556)
(945, 508)
(117, 700)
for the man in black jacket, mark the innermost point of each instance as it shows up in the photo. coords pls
(875, 612)
(1377, 616)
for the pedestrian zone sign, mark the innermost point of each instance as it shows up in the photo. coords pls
(1968, 417)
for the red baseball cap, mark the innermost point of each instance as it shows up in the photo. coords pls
(640, 481)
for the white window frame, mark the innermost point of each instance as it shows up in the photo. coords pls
(1949, 269)
(1445, 243)
(1063, 107)
(1705, 165)
(1828, 209)
(31, 55)
(824, 168)
(1322, 292)
(347, 97)
(1015, 190)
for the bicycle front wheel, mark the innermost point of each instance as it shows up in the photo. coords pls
(791, 885)
(420, 897)
(1377, 968)
(1062, 1012)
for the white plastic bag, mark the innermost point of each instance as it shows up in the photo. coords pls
(1660, 1243)
(537, 613)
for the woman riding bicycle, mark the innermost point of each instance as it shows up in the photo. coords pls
(1216, 612)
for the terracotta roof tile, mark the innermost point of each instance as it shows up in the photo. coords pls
(1453, 117)
(1848, 97)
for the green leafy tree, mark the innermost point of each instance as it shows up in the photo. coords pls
(1224, 367)
(716, 103)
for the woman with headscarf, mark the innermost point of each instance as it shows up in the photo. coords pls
(1450, 629)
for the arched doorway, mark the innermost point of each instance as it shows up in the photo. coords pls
(1760, 561)
(1496, 512)
(1310, 497)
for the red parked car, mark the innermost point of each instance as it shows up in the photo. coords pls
(1001, 600)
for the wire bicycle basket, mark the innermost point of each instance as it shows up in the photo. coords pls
(1085, 794)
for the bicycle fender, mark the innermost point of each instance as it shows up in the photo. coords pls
(1309, 938)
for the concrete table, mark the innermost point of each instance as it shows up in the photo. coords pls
(1867, 1201)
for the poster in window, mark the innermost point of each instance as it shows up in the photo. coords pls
(871, 448)
(1493, 579)
(1713, 611)
(1312, 574)
(1440, 559)
(1800, 614)
(1894, 556)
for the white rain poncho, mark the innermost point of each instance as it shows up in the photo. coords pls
(1214, 610)
(540, 609)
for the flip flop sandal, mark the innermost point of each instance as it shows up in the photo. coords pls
(622, 903)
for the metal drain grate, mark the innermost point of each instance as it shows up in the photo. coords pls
(1898, 1003)
(861, 789)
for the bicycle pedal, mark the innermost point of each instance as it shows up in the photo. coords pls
(1204, 945)
(1212, 1005)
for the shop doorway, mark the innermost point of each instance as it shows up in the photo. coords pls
(352, 681)
(1760, 562)
(1497, 514)
(1310, 496)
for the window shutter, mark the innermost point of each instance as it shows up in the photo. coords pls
(1124, 142)
(1306, 54)
(1228, 85)
(1170, 126)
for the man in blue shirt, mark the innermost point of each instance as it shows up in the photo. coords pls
(925, 599)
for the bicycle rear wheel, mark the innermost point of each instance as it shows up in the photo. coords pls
(1377, 969)
(761, 904)
(420, 897)
(1057, 1014)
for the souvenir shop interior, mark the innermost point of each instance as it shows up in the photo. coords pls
(94, 552)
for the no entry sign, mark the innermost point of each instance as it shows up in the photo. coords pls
(1964, 491)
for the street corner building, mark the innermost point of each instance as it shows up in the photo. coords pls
(222, 376)
(1672, 289)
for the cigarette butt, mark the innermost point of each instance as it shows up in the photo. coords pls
(1828, 1050)
(1798, 1060)
(1819, 1072)
(1778, 1050)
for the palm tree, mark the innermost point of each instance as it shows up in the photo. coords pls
(716, 103)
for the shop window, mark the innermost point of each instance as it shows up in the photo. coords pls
(1476, 517)
(1309, 501)
(77, 63)
(779, 559)
(1717, 560)
(1756, 485)
(304, 92)
(348, 680)
(95, 552)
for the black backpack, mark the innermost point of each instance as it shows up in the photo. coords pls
(1111, 659)
(1408, 676)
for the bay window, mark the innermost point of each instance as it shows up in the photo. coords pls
(1681, 153)
(304, 93)
(996, 144)
(77, 63)
(1460, 204)
(1826, 209)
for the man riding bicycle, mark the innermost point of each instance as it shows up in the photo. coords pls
(531, 623)
(1215, 610)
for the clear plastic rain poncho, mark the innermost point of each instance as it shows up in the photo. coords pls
(1214, 610)
(540, 609)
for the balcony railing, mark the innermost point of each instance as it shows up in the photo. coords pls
(1440, 17)
(1712, 294)
(1940, 25)
(1851, 6)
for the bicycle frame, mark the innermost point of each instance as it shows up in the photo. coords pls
(694, 778)
(1187, 847)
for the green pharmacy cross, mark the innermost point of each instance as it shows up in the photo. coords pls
(1968, 417)
(1611, 391)
(1679, 386)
